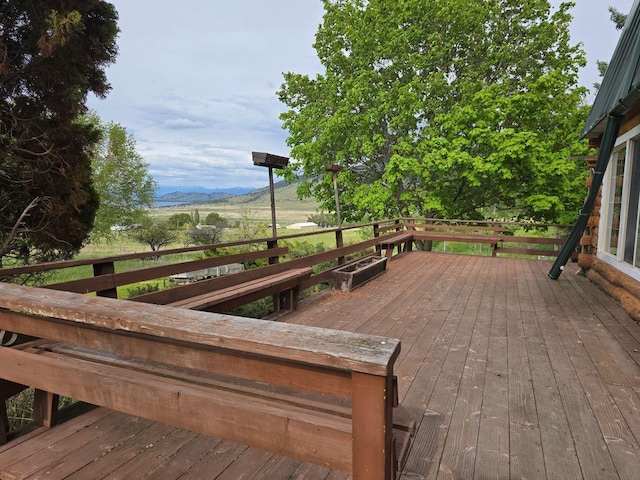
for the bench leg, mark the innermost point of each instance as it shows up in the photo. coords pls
(408, 247)
(389, 253)
(372, 427)
(288, 299)
(45, 408)
(4, 422)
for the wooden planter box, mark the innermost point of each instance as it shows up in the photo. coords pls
(358, 273)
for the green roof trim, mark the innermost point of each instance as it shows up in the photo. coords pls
(620, 89)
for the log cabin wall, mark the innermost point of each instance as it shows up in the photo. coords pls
(617, 284)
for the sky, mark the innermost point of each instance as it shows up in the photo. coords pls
(194, 82)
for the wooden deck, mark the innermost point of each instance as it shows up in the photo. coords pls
(509, 375)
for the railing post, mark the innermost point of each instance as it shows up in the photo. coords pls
(339, 244)
(372, 417)
(376, 234)
(105, 268)
(277, 302)
(273, 244)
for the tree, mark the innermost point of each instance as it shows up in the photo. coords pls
(323, 220)
(619, 19)
(52, 54)
(156, 235)
(178, 221)
(441, 109)
(205, 235)
(121, 178)
(214, 218)
(211, 232)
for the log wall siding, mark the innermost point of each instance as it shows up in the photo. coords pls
(618, 285)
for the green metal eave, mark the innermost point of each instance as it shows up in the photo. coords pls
(619, 91)
(606, 149)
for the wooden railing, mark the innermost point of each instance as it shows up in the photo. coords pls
(502, 238)
(318, 395)
(93, 343)
(439, 232)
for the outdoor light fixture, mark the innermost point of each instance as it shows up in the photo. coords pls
(334, 169)
(261, 159)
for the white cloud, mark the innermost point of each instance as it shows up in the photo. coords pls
(180, 123)
(195, 82)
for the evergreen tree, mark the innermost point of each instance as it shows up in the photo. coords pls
(52, 54)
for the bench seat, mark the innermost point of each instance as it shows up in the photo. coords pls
(458, 237)
(284, 284)
(390, 243)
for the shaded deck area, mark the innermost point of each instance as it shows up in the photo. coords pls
(508, 375)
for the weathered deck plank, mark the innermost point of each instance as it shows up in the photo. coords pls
(508, 375)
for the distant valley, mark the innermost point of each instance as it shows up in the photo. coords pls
(183, 195)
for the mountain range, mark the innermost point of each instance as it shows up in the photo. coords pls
(197, 194)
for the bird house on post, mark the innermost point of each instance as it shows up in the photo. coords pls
(262, 159)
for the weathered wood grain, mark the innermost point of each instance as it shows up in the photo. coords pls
(561, 390)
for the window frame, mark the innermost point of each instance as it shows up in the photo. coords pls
(631, 141)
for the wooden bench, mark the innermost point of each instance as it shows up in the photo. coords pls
(390, 242)
(317, 395)
(464, 237)
(443, 232)
(226, 292)
(521, 246)
(284, 285)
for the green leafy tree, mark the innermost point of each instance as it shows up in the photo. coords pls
(211, 232)
(323, 220)
(441, 109)
(178, 221)
(156, 235)
(246, 228)
(52, 54)
(121, 178)
(205, 235)
(214, 218)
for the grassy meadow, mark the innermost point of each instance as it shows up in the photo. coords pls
(253, 208)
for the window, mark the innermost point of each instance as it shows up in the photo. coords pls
(614, 207)
(620, 216)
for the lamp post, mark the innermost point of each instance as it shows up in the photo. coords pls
(334, 169)
(262, 159)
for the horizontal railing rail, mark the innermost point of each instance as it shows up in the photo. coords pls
(511, 238)
(262, 384)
